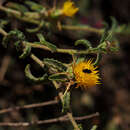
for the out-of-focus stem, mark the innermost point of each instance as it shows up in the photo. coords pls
(83, 28)
(34, 18)
(3, 32)
(72, 120)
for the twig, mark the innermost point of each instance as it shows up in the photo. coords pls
(54, 120)
(3, 111)
(4, 67)
(75, 125)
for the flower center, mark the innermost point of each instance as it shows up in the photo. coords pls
(87, 71)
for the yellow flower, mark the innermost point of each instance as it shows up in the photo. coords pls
(69, 9)
(86, 74)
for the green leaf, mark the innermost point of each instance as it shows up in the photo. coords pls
(108, 34)
(84, 42)
(35, 6)
(66, 102)
(17, 6)
(102, 47)
(44, 42)
(114, 24)
(112, 30)
(55, 64)
(33, 78)
(104, 35)
(37, 28)
(16, 36)
(26, 51)
(94, 127)
(58, 77)
(99, 56)
(80, 127)
(3, 23)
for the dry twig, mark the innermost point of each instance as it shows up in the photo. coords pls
(29, 106)
(54, 120)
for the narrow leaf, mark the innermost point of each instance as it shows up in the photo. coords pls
(84, 42)
(55, 64)
(37, 28)
(111, 32)
(58, 77)
(66, 102)
(3, 23)
(44, 42)
(26, 51)
(17, 6)
(33, 78)
(94, 127)
(14, 35)
(99, 56)
(34, 6)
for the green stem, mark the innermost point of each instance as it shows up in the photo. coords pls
(69, 51)
(73, 121)
(37, 60)
(34, 18)
(83, 28)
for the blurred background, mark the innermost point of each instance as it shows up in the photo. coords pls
(111, 99)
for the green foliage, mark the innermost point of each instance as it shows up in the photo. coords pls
(14, 35)
(35, 6)
(108, 34)
(108, 40)
(84, 42)
(59, 66)
(33, 30)
(58, 77)
(18, 7)
(44, 42)
(99, 56)
(66, 102)
(26, 51)
(80, 127)
(94, 127)
(33, 78)
(46, 19)
(3, 23)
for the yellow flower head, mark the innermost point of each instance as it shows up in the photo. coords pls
(86, 74)
(69, 9)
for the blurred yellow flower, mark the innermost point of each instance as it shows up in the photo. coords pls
(69, 9)
(86, 74)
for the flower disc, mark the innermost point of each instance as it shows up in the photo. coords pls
(86, 74)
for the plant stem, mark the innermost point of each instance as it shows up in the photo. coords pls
(3, 32)
(69, 51)
(37, 60)
(53, 120)
(73, 121)
(75, 125)
(28, 106)
(83, 28)
(34, 18)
